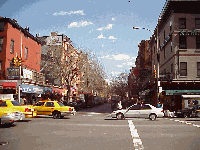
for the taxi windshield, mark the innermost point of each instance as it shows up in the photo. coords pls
(15, 103)
(61, 104)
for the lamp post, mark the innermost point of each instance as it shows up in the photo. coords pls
(158, 58)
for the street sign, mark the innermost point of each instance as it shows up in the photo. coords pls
(13, 73)
(162, 76)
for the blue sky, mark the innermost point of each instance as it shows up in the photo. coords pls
(102, 26)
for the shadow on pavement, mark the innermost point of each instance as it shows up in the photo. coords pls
(8, 125)
(110, 119)
(23, 121)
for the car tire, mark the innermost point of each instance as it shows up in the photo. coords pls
(152, 117)
(56, 115)
(120, 116)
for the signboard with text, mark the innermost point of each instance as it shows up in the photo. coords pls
(13, 73)
(54, 40)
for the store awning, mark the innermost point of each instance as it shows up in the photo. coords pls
(9, 84)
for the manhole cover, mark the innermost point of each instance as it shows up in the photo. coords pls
(3, 143)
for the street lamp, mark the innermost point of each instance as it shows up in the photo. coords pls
(158, 57)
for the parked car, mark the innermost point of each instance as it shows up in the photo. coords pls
(139, 110)
(188, 112)
(28, 111)
(53, 108)
(9, 116)
(81, 104)
(73, 104)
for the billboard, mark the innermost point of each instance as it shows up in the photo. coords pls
(13, 73)
(27, 74)
(54, 40)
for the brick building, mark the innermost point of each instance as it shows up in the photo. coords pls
(175, 56)
(17, 41)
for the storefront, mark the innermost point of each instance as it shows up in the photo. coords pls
(31, 93)
(59, 93)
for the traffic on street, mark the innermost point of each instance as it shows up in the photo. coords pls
(94, 128)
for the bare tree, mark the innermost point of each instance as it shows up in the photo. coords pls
(119, 85)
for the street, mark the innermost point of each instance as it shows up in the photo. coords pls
(92, 128)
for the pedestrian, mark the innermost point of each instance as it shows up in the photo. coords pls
(24, 101)
(119, 105)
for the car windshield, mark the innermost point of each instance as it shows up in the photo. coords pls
(61, 104)
(15, 103)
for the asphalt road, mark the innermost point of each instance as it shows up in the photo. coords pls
(93, 129)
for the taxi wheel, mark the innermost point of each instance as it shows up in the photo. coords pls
(56, 115)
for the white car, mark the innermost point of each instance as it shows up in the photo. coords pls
(139, 111)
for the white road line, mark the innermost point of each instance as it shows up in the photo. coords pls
(137, 142)
(188, 123)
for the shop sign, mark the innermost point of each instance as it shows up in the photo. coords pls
(168, 37)
(31, 89)
(186, 32)
(13, 73)
(181, 92)
(54, 40)
(27, 74)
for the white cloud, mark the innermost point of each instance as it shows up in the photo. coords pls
(106, 56)
(119, 66)
(113, 19)
(121, 57)
(115, 73)
(112, 37)
(129, 63)
(90, 31)
(108, 27)
(100, 29)
(79, 24)
(100, 37)
(69, 13)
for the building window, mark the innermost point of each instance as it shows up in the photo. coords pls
(197, 23)
(0, 67)
(171, 46)
(170, 25)
(183, 68)
(197, 42)
(164, 53)
(1, 43)
(198, 68)
(182, 42)
(26, 52)
(12, 46)
(182, 23)
(172, 68)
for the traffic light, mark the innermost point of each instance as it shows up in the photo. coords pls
(15, 61)
(154, 72)
(19, 61)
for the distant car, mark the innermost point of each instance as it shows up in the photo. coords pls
(27, 110)
(53, 108)
(81, 104)
(9, 116)
(73, 104)
(139, 111)
(188, 112)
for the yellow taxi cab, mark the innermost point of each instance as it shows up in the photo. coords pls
(28, 111)
(53, 108)
(8, 115)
